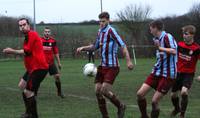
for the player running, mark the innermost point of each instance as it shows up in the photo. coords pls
(51, 51)
(36, 67)
(164, 71)
(108, 42)
(188, 54)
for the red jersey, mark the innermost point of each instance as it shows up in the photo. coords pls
(50, 49)
(188, 56)
(34, 58)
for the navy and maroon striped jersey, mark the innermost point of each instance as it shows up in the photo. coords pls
(166, 63)
(108, 41)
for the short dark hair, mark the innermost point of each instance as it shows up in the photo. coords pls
(157, 24)
(24, 19)
(189, 28)
(104, 15)
(47, 27)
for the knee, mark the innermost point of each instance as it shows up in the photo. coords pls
(104, 90)
(28, 93)
(140, 95)
(57, 77)
(174, 95)
(184, 93)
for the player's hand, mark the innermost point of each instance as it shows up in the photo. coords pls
(78, 50)
(59, 66)
(22, 84)
(8, 51)
(156, 43)
(198, 78)
(130, 65)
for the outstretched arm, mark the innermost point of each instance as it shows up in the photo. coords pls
(86, 48)
(13, 51)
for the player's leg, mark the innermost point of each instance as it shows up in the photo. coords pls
(100, 98)
(33, 84)
(22, 85)
(109, 78)
(155, 104)
(107, 92)
(175, 103)
(54, 71)
(58, 85)
(164, 85)
(174, 95)
(187, 83)
(184, 101)
(141, 93)
(141, 100)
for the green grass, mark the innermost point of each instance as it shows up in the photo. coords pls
(80, 97)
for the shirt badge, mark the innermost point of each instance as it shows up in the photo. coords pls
(191, 52)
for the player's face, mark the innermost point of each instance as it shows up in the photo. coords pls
(103, 22)
(188, 37)
(24, 27)
(153, 31)
(47, 33)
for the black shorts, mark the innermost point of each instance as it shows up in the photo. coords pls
(53, 69)
(183, 79)
(26, 76)
(34, 79)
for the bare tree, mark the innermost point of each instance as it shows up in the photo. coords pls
(134, 20)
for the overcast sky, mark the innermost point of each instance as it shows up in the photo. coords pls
(80, 10)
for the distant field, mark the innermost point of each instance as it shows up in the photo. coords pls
(79, 90)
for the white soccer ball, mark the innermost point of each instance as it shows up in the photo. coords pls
(90, 70)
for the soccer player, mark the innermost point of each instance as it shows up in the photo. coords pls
(163, 73)
(90, 56)
(51, 50)
(108, 42)
(188, 54)
(36, 66)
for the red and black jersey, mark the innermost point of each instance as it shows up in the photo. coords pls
(34, 58)
(50, 49)
(188, 56)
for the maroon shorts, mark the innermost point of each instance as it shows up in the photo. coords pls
(106, 74)
(161, 84)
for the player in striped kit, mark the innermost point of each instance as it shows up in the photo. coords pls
(163, 74)
(108, 41)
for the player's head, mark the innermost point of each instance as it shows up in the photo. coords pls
(47, 32)
(104, 19)
(188, 33)
(24, 25)
(156, 27)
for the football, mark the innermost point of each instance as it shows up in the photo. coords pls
(90, 70)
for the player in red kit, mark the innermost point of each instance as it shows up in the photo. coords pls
(188, 54)
(35, 64)
(51, 50)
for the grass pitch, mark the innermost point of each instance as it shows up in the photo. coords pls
(80, 97)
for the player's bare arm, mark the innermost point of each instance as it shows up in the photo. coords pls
(13, 51)
(85, 48)
(167, 50)
(128, 59)
(58, 60)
